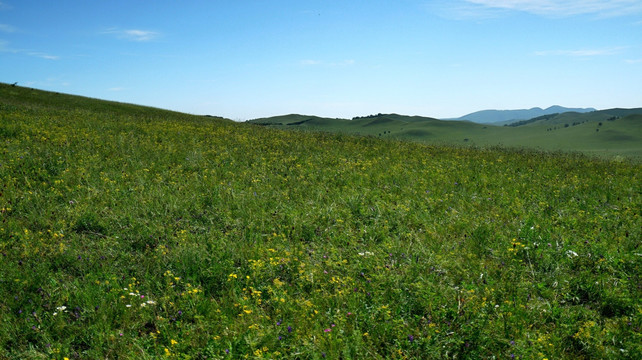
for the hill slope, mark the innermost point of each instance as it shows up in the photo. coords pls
(130, 232)
(575, 118)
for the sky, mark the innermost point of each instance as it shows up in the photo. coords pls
(246, 59)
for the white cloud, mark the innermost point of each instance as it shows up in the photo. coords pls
(140, 35)
(54, 81)
(134, 34)
(43, 55)
(581, 52)
(4, 47)
(633, 61)
(7, 28)
(563, 8)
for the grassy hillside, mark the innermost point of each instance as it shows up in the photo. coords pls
(613, 133)
(571, 118)
(130, 232)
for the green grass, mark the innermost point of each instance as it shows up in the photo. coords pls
(130, 232)
(618, 136)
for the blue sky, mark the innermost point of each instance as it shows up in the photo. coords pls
(245, 59)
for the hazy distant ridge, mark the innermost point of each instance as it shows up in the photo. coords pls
(492, 116)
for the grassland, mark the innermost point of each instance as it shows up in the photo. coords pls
(611, 134)
(130, 232)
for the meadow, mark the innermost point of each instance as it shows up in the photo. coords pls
(132, 232)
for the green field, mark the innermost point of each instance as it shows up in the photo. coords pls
(611, 134)
(136, 233)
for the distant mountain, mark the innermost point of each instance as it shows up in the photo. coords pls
(494, 116)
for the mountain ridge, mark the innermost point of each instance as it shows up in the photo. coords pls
(495, 116)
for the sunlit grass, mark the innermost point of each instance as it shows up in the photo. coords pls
(142, 234)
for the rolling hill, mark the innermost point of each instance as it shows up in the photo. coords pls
(606, 133)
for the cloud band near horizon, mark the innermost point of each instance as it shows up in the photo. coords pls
(133, 34)
(562, 8)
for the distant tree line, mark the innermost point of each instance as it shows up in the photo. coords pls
(613, 118)
(367, 116)
(524, 122)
